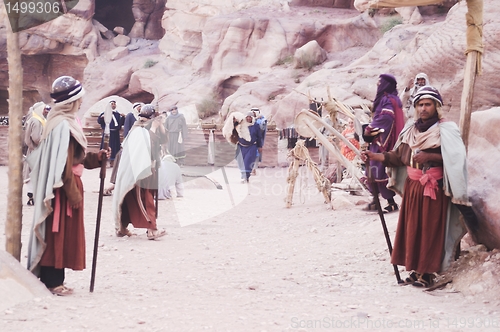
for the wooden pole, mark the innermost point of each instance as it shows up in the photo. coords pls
(102, 177)
(467, 95)
(13, 224)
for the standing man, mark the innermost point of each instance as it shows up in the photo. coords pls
(57, 239)
(431, 174)
(250, 143)
(177, 132)
(32, 136)
(409, 93)
(382, 133)
(115, 120)
(137, 180)
(261, 121)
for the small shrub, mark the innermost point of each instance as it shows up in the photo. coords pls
(208, 106)
(150, 63)
(283, 61)
(390, 23)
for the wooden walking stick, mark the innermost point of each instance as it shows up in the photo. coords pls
(102, 176)
(376, 199)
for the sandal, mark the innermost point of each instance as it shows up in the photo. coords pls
(61, 290)
(154, 234)
(391, 208)
(123, 232)
(413, 277)
(425, 280)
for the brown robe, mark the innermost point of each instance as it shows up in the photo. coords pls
(142, 195)
(420, 234)
(66, 248)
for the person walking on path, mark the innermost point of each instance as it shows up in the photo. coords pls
(33, 129)
(261, 121)
(57, 239)
(250, 144)
(177, 133)
(430, 172)
(382, 133)
(137, 178)
(115, 121)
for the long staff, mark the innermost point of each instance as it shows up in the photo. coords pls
(376, 199)
(102, 176)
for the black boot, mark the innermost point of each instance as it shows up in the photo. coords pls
(30, 200)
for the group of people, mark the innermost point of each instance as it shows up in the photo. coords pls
(425, 161)
(56, 155)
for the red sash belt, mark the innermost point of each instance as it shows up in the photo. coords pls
(428, 179)
(78, 171)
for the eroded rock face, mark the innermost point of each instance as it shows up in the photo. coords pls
(484, 179)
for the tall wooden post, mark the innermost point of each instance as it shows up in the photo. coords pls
(467, 94)
(13, 224)
(475, 48)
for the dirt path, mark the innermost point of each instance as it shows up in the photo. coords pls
(255, 267)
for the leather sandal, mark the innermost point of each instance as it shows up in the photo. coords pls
(411, 278)
(61, 290)
(425, 280)
(154, 234)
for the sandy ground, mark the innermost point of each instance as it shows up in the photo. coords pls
(236, 259)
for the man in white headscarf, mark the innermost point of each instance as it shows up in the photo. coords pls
(57, 239)
(137, 178)
(408, 94)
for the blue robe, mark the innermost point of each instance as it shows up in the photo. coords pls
(249, 148)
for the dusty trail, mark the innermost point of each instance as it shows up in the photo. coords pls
(255, 267)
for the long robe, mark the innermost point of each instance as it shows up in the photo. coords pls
(137, 179)
(177, 133)
(248, 148)
(57, 188)
(384, 117)
(429, 231)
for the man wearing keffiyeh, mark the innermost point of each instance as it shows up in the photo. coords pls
(57, 239)
(429, 170)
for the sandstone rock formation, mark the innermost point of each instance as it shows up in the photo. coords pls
(484, 179)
